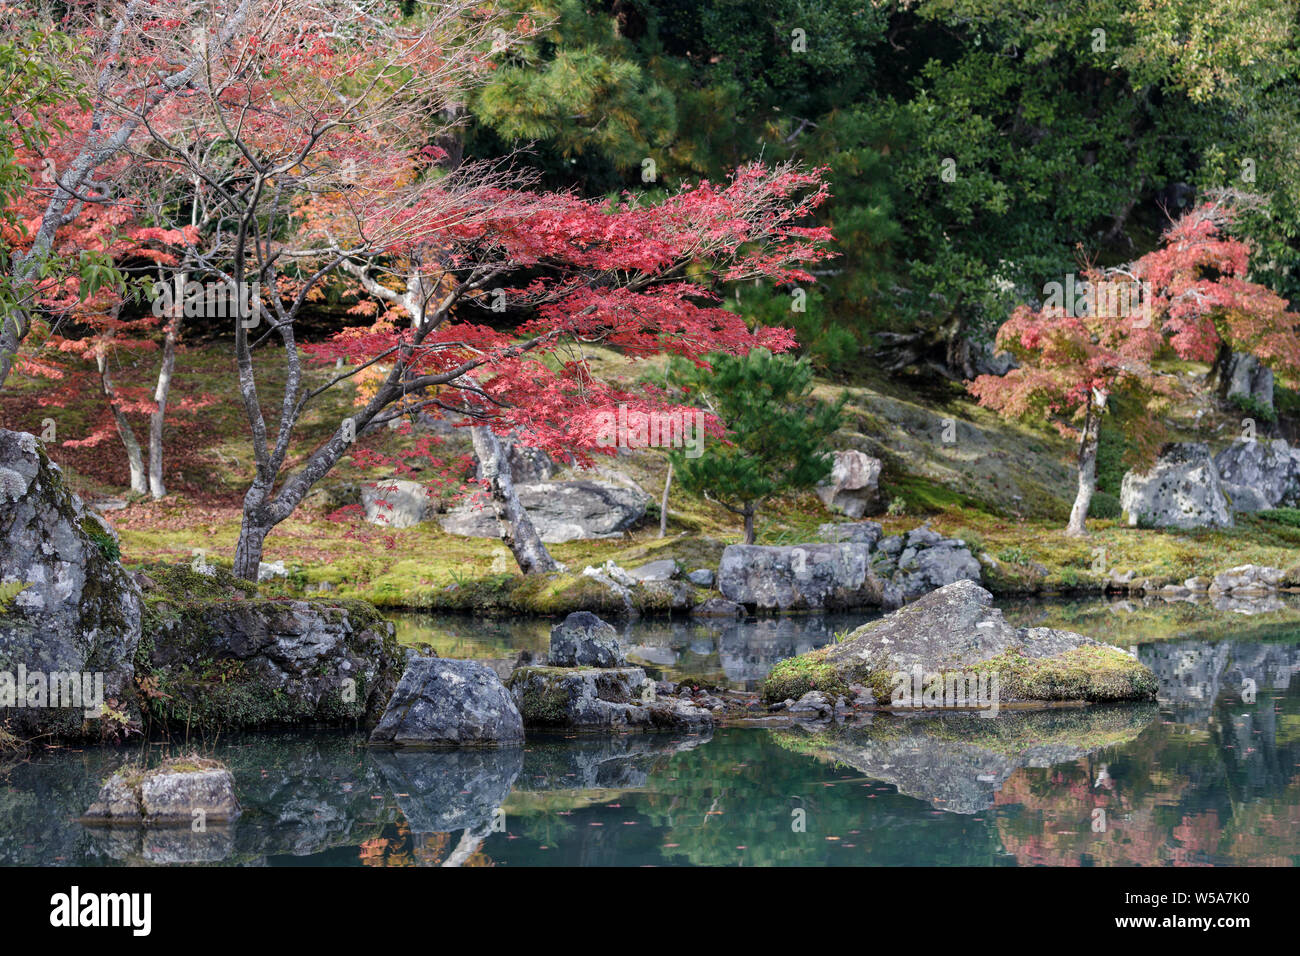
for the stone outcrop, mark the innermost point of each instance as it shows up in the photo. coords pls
(1182, 490)
(956, 630)
(852, 488)
(66, 605)
(175, 794)
(619, 698)
(396, 503)
(216, 658)
(449, 703)
(863, 569)
(584, 640)
(560, 510)
(1260, 474)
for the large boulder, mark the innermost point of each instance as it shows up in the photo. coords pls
(798, 577)
(956, 631)
(66, 605)
(922, 560)
(1260, 474)
(584, 640)
(861, 569)
(852, 489)
(214, 658)
(560, 698)
(560, 510)
(178, 793)
(396, 503)
(1182, 490)
(449, 703)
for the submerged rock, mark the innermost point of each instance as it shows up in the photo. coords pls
(441, 703)
(66, 605)
(584, 640)
(617, 698)
(175, 794)
(1182, 490)
(956, 631)
(447, 790)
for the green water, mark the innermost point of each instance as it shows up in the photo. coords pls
(1209, 776)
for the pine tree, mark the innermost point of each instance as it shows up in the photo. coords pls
(778, 434)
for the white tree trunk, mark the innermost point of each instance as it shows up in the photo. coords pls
(1077, 528)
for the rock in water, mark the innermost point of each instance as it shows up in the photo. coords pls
(617, 698)
(1182, 490)
(174, 794)
(914, 564)
(395, 503)
(584, 640)
(1260, 474)
(442, 791)
(449, 703)
(852, 488)
(77, 611)
(957, 631)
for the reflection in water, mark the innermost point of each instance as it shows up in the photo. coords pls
(737, 654)
(1209, 777)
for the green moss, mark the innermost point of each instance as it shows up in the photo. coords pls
(796, 676)
(1089, 673)
(543, 700)
(96, 532)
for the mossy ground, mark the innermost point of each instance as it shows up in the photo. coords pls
(1004, 487)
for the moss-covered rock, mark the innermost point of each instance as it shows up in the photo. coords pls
(210, 656)
(956, 632)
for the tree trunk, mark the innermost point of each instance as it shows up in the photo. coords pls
(134, 460)
(663, 505)
(156, 487)
(749, 522)
(517, 531)
(1077, 527)
(248, 552)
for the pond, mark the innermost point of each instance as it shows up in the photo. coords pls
(1208, 776)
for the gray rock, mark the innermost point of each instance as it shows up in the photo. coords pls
(918, 562)
(584, 640)
(1246, 579)
(78, 611)
(954, 629)
(861, 532)
(701, 577)
(441, 703)
(813, 704)
(718, 607)
(1182, 490)
(561, 511)
(1247, 377)
(798, 577)
(1260, 474)
(852, 488)
(287, 662)
(600, 699)
(396, 503)
(173, 795)
(529, 464)
(662, 570)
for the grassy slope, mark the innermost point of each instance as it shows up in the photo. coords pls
(1005, 488)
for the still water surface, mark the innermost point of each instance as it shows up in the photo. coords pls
(1208, 776)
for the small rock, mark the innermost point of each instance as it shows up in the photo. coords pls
(174, 794)
(663, 570)
(718, 607)
(701, 577)
(584, 640)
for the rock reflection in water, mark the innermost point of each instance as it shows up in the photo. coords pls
(958, 762)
